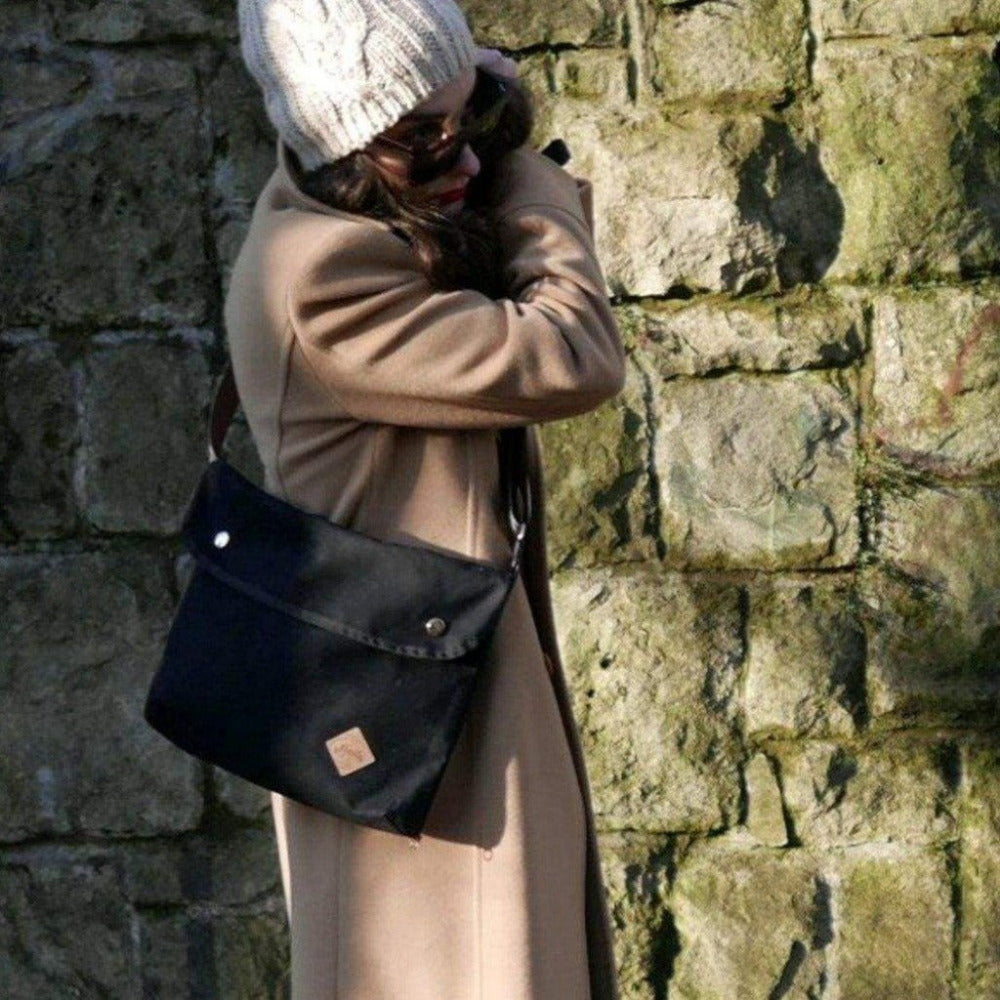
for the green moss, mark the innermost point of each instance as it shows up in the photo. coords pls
(900, 127)
(600, 508)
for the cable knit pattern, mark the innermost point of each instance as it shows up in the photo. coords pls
(335, 73)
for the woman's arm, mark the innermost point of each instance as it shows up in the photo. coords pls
(391, 349)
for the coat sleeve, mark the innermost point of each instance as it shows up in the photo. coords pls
(391, 349)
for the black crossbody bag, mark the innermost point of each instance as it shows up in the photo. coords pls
(319, 662)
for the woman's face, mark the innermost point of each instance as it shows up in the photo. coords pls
(449, 101)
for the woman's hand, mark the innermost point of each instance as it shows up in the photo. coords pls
(495, 62)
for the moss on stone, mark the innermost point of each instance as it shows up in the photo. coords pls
(901, 897)
(654, 663)
(902, 130)
(600, 507)
(758, 51)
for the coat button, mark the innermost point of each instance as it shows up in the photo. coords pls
(435, 627)
(221, 540)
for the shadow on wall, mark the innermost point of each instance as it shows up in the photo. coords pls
(784, 188)
(975, 154)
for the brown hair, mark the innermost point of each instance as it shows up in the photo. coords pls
(460, 252)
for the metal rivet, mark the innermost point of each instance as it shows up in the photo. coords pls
(435, 627)
(221, 540)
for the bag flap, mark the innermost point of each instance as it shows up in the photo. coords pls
(403, 598)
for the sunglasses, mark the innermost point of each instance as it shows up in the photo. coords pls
(418, 148)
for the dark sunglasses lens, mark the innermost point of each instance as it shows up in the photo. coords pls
(427, 166)
(488, 100)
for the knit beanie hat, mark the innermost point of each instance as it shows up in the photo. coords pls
(336, 73)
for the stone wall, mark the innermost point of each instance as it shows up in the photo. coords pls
(776, 556)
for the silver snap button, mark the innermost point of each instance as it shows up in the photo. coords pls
(435, 627)
(221, 540)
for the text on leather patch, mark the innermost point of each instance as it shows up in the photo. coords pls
(350, 751)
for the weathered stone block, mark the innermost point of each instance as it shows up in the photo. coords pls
(100, 209)
(241, 798)
(688, 200)
(937, 379)
(165, 955)
(897, 791)
(127, 77)
(636, 871)
(671, 205)
(244, 140)
(143, 433)
(37, 83)
(765, 809)
(38, 437)
(244, 867)
(137, 20)
(230, 868)
(230, 956)
(42, 93)
(578, 85)
(244, 155)
(909, 18)
(751, 923)
(66, 930)
(909, 139)
(598, 76)
(756, 472)
(895, 925)
(23, 23)
(252, 955)
(805, 672)
(80, 636)
(522, 23)
(599, 501)
(654, 662)
(932, 612)
(979, 949)
(807, 329)
(764, 43)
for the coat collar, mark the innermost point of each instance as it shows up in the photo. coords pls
(285, 179)
(288, 194)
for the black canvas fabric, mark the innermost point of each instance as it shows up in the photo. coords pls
(294, 631)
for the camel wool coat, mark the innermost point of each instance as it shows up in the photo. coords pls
(375, 400)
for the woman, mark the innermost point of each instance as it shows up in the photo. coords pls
(412, 283)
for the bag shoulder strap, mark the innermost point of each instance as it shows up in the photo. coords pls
(513, 454)
(224, 406)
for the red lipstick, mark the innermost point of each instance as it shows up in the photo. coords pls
(456, 194)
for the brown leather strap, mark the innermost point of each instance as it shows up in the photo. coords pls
(513, 455)
(227, 399)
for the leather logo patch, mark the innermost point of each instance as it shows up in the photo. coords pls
(350, 751)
